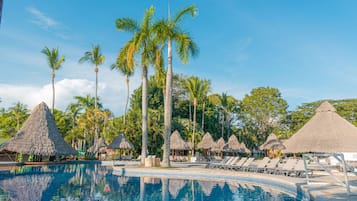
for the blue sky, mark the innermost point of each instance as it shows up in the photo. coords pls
(306, 49)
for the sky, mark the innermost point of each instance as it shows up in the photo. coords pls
(306, 49)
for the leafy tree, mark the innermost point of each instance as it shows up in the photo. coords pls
(169, 31)
(54, 61)
(143, 44)
(19, 112)
(261, 111)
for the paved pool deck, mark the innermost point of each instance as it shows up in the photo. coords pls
(317, 192)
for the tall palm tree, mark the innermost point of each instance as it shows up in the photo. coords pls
(55, 61)
(206, 88)
(95, 57)
(169, 31)
(143, 44)
(194, 87)
(123, 67)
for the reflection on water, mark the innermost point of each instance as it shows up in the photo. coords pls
(94, 182)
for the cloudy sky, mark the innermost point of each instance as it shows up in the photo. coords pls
(306, 49)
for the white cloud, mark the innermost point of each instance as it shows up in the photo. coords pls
(40, 19)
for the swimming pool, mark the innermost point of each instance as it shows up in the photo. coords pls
(95, 182)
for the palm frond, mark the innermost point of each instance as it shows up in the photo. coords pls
(127, 24)
(191, 10)
(185, 47)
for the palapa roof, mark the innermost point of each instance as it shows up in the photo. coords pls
(233, 144)
(206, 142)
(39, 136)
(177, 143)
(244, 148)
(207, 186)
(219, 145)
(272, 142)
(121, 142)
(325, 132)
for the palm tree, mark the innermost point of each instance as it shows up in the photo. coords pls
(206, 88)
(19, 111)
(194, 87)
(142, 43)
(169, 31)
(55, 63)
(123, 67)
(73, 110)
(95, 57)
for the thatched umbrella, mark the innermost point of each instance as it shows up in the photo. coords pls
(272, 142)
(177, 143)
(219, 145)
(175, 186)
(233, 144)
(206, 142)
(121, 142)
(244, 149)
(325, 132)
(39, 136)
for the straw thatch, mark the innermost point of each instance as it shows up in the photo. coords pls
(121, 142)
(206, 142)
(219, 145)
(272, 142)
(177, 143)
(39, 136)
(244, 149)
(175, 186)
(233, 144)
(325, 132)
(100, 147)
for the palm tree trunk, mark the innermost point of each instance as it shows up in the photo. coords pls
(95, 106)
(53, 91)
(168, 108)
(194, 125)
(189, 116)
(165, 196)
(203, 116)
(222, 124)
(144, 108)
(127, 98)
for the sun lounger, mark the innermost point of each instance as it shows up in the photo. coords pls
(272, 165)
(287, 167)
(238, 164)
(299, 169)
(248, 164)
(230, 163)
(260, 165)
(226, 163)
(219, 163)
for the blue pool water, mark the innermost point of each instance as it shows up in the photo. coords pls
(93, 182)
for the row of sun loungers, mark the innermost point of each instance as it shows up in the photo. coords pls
(289, 167)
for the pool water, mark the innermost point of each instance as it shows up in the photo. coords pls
(94, 182)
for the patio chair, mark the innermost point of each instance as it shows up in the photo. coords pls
(287, 167)
(216, 164)
(230, 163)
(260, 165)
(238, 164)
(248, 164)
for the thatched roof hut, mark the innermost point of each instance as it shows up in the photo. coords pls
(100, 147)
(175, 186)
(272, 142)
(121, 142)
(39, 136)
(219, 145)
(325, 132)
(206, 142)
(233, 144)
(177, 143)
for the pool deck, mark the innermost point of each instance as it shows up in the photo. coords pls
(318, 192)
